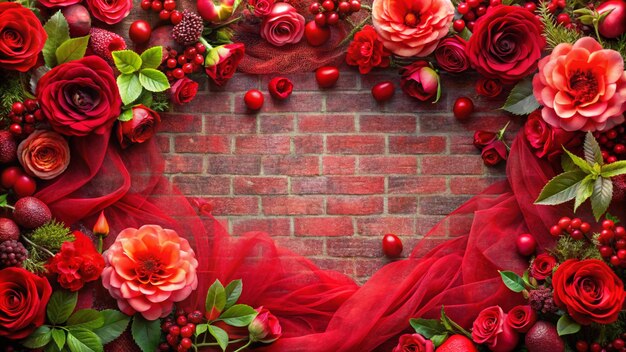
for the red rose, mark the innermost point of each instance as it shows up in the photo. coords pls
(413, 343)
(110, 11)
(262, 8)
(542, 266)
(23, 300)
(280, 87)
(44, 154)
(80, 97)
(521, 318)
(265, 327)
(546, 140)
(450, 54)
(589, 290)
(366, 51)
(420, 81)
(76, 263)
(140, 128)
(484, 138)
(494, 153)
(58, 3)
(490, 328)
(283, 25)
(489, 88)
(21, 37)
(222, 61)
(506, 44)
(183, 91)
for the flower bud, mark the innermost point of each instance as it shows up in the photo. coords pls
(101, 228)
(265, 327)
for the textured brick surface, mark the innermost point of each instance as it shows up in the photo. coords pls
(327, 173)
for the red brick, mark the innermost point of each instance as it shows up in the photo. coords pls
(344, 265)
(376, 226)
(354, 185)
(202, 185)
(271, 226)
(388, 123)
(354, 247)
(440, 205)
(402, 205)
(201, 144)
(230, 124)
(463, 144)
(417, 144)
(241, 82)
(388, 165)
(260, 185)
(338, 165)
(306, 81)
(311, 144)
(350, 102)
(367, 267)
(234, 205)
(208, 103)
(267, 145)
(234, 164)
(355, 144)
(326, 123)
(324, 226)
(301, 246)
(293, 205)
(297, 102)
(175, 164)
(297, 165)
(470, 184)
(460, 225)
(354, 205)
(163, 142)
(425, 225)
(276, 123)
(452, 165)
(180, 123)
(416, 185)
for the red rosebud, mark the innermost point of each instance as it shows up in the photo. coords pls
(489, 88)
(140, 128)
(420, 81)
(280, 87)
(484, 138)
(494, 153)
(490, 328)
(183, 91)
(222, 61)
(101, 228)
(413, 342)
(542, 266)
(521, 318)
(265, 327)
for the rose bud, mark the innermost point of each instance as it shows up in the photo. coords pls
(183, 91)
(280, 88)
(489, 88)
(221, 62)
(140, 128)
(521, 318)
(484, 138)
(265, 327)
(494, 153)
(420, 81)
(542, 266)
(101, 228)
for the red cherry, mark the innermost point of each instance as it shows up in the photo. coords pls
(355, 5)
(31, 105)
(344, 7)
(494, 3)
(178, 73)
(320, 19)
(253, 99)
(198, 60)
(473, 3)
(186, 343)
(156, 6)
(328, 5)
(314, 8)
(15, 129)
(146, 4)
(176, 17)
(563, 18)
(383, 91)
(332, 18)
(10, 175)
(469, 16)
(169, 5)
(606, 251)
(564, 222)
(556, 231)
(576, 222)
(470, 25)
(530, 6)
(608, 224)
(326, 76)
(481, 10)
(188, 68)
(392, 245)
(316, 35)
(175, 330)
(463, 108)
(582, 346)
(164, 15)
(463, 8)
(186, 331)
(595, 347)
(140, 31)
(24, 186)
(585, 227)
(526, 244)
(458, 25)
(611, 159)
(17, 108)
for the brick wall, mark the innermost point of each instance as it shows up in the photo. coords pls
(328, 172)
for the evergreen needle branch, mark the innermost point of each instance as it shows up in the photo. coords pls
(45, 250)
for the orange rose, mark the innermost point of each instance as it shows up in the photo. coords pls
(582, 87)
(148, 269)
(411, 27)
(44, 154)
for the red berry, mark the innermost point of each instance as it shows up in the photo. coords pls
(618, 343)
(611, 134)
(185, 331)
(195, 317)
(563, 18)
(31, 105)
(316, 35)
(608, 224)
(606, 251)
(383, 91)
(24, 186)
(200, 48)
(181, 348)
(606, 235)
(164, 347)
(10, 175)
(473, 3)
(156, 6)
(614, 260)
(494, 3)
(576, 222)
(344, 7)
(164, 15)
(172, 340)
(530, 6)
(526, 244)
(470, 25)
(314, 8)
(254, 99)
(15, 129)
(392, 245)
(595, 347)
(186, 342)
(190, 52)
(178, 73)
(188, 68)
(29, 118)
(181, 320)
(564, 222)
(175, 330)
(327, 76)
(619, 149)
(551, 7)
(166, 326)
(621, 254)
(481, 10)
(620, 232)
(577, 235)
(169, 5)
(355, 5)
(176, 17)
(556, 231)
(585, 227)
(17, 108)
(140, 31)
(463, 8)
(458, 25)
(332, 18)
(171, 63)
(463, 108)
(198, 60)
(582, 346)
(320, 19)
(328, 5)
(469, 16)
(146, 4)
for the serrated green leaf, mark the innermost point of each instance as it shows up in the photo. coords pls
(38, 338)
(580, 162)
(146, 333)
(216, 297)
(86, 318)
(593, 153)
(153, 80)
(83, 340)
(201, 329)
(61, 306)
(513, 281)
(566, 326)
(59, 337)
(115, 323)
(438, 340)
(129, 87)
(521, 100)
(152, 57)
(601, 197)
(561, 188)
(72, 49)
(585, 189)
(58, 32)
(239, 315)
(233, 292)
(567, 164)
(427, 327)
(126, 61)
(126, 115)
(613, 169)
(220, 336)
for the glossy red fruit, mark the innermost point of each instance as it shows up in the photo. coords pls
(140, 31)
(176, 17)
(392, 245)
(457, 343)
(458, 25)
(10, 175)
(463, 108)
(253, 99)
(383, 91)
(24, 186)
(326, 76)
(526, 244)
(614, 24)
(316, 35)
(78, 19)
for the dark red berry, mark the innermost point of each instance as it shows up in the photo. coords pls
(181, 320)
(17, 108)
(564, 222)
(174, 330)
(186, 342)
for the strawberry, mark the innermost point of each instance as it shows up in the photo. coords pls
(457, 343)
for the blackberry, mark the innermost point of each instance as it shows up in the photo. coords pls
(541, 300)
(12, 253)
(189, 29)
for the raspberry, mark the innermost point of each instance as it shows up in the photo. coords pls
(541, 300)
(189, 29)
(103, 42)
(12, 253)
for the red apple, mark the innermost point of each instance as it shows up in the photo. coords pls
(78, 19)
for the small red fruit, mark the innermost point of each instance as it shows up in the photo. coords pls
(253, 99)
(383, 91)
(176, 17)
(316, 35)
(392, 245)
(24, 186)
(463, 108)
(326, 76)
(458, 25)
(614, 24)
(526, 244)
(457, 343)
(140, 31)
(10, 176)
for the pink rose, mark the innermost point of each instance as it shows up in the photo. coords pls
(409, 28)
(183, 91)
(542, 266)
(450, 54)
(110, 11)
(490, 328)
(582, 87)
(420, 81)
(44, 154)
(414, 343)
(221, 62)
(283, 25)
(140, 128)
(262, 8)
(521, 318)
(265, 327)
(548, 141)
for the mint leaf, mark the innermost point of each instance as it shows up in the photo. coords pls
(38, 338)
(146, 333)
(567, 164)
(153, 80)
(61, 306)
(233, 292)
(126, 115)
(129, 87)
(152, 57)
(239, 315)
(593, 153)
(83, 340)
(601, 197)
(613, 169)
(215, 298)
(584, 191)
(566, 326)
(115, 323)
(561, 188)
(428, 327)
(58, 32)
(220, 336)
(580, 162)
(86, 318)
(521, 100)
(513, 281)
(127, 61)
(72, 49)
(59, 338)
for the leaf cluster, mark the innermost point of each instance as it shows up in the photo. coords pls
(438, 330)
(59, 47)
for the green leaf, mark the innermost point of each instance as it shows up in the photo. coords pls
(580, 162)
(567, 164)
(152, 57)
(233, 292)
(145, 98)
(613, 169)
(61, 306)
(593, 153)
(72, 49)
(115, 323)
(146, 333)
(465, 33)
(601, 197)
(513, 281)
(220, 336)
(521, 100)
(59, 338)
(83, 340)
(566, 326)
(126, 115)
(201, 329)
(153, 80)
(239, 315)
(215, 297)
(58, 32)
(427, 327)
(585, 189)
(438, 340)
(127, 61)
(129, 87)
(38, 338)
(612, 217)
(86, 318)
(561, 188)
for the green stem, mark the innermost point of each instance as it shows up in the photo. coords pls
(207, 344)
(244, 346)
(38, 246)
(354, 30)
(228, 23)
(100, 243)
(366, 7)
(205, 43)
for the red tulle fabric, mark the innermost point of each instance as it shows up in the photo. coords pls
(319, 310)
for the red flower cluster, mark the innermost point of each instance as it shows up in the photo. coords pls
(548, 141)
(77, 263)
(366, 51)
(493, 150)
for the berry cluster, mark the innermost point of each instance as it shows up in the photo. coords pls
(12, 253)
(612, 244)
(471, 10)
(617, 345)
(329, 12)
(166, 9)
(180, 329)
(14, 178)
(23, 117)
(612, 143)
(541, 300)
(176, 66)
(576, 228)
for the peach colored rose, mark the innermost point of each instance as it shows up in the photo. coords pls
(148, 269)
(412, 27)
(582, 87)
(44, 154)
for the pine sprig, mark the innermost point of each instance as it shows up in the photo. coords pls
(43, 242)
(11, 90)
(569, 248)
(160, 102)
(554, 33)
